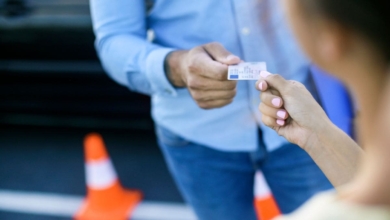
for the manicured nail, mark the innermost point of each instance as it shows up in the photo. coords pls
(280, 122)
(261, 86)
(276, 102)
(264, 74)
(281, 114)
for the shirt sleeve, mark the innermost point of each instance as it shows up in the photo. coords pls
(121, 42)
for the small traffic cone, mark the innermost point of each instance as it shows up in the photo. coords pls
(106, 199)
(265, 204)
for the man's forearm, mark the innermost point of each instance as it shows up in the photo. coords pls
(173, 69)
(336, 154)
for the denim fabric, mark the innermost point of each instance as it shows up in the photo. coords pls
(219, 185)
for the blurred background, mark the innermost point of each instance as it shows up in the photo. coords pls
(53, 91)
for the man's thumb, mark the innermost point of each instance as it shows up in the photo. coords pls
(218, 52)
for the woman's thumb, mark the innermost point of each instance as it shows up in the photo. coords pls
(274, 81)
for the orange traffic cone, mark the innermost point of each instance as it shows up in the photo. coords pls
(106, 199)
(265, 204)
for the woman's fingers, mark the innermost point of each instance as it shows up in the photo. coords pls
(272, 122)
(276, 113)
(274, 81)
(271, 100)
(261, 85)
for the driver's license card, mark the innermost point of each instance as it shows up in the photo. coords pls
(246, 71)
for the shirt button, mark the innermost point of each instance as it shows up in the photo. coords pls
(168, 91)
(245, 31)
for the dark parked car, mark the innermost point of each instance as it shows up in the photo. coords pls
(50, 75)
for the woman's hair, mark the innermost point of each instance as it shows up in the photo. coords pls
(368, 17)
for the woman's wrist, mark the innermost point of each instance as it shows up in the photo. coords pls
(321, 132)
(337, 155)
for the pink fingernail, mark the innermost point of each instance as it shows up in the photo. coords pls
(281, 114)
(276, 102)
(280, 122)
(264, 74)
(261, 86)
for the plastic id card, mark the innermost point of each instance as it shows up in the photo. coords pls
(246, 71)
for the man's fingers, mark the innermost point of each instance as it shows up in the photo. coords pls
(211, 61)
(214, 103)
(203, 65)
(271, 100)
(275, 113)
(218, 52)
(201, 83)
(203, 96)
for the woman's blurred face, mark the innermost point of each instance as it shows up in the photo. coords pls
(315, 35)
(330, 45)
(303, 28)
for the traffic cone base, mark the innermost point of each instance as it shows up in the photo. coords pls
(265, 204)
(106, 199)
(129, 201)
(267, 208)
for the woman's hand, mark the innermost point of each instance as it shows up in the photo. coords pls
(289, 108)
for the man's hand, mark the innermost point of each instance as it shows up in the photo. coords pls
(203, 70)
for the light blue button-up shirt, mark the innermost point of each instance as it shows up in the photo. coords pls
(254, 30)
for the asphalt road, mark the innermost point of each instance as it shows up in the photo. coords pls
(50, 160)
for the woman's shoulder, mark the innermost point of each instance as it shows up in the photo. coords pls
(326, 206)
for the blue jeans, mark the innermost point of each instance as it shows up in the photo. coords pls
(219, 185)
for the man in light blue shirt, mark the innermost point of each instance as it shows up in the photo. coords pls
(209, 128)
